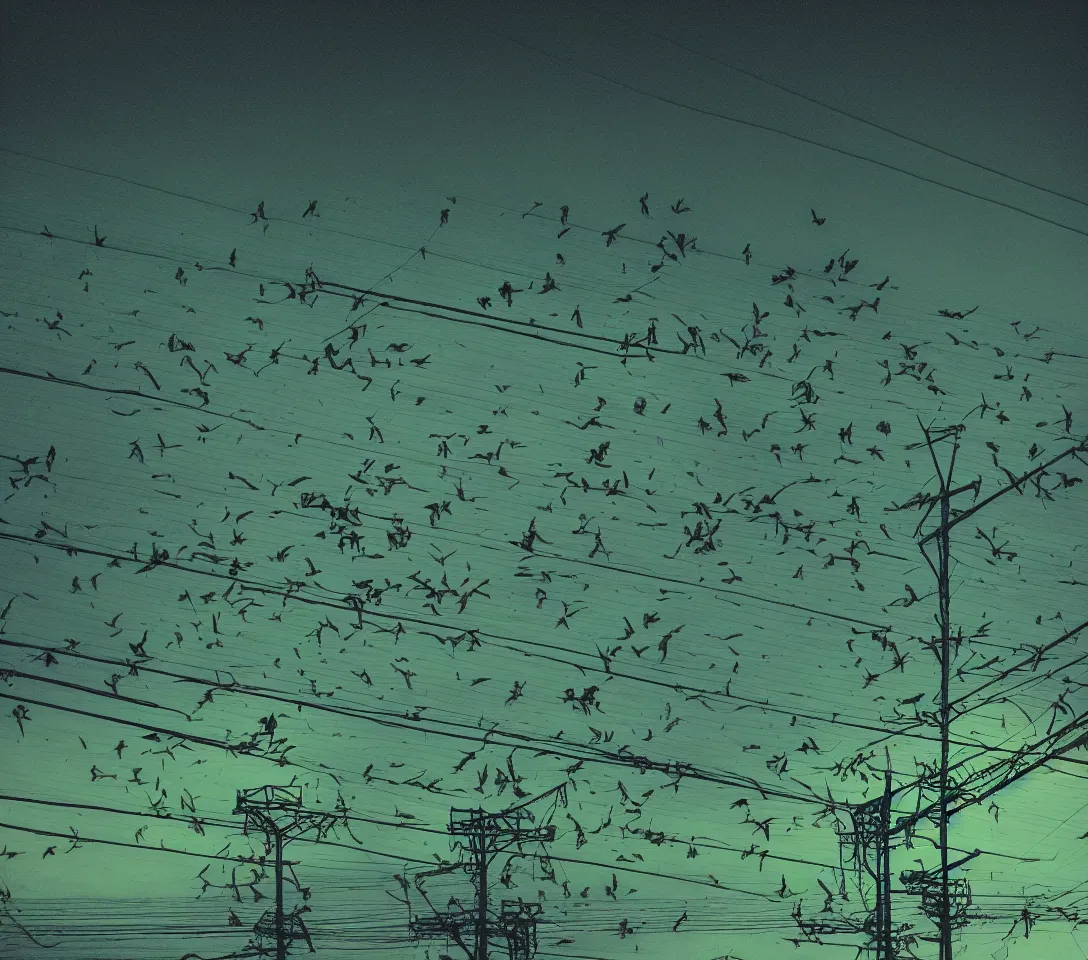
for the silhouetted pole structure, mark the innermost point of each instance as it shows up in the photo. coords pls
(518, 921)
(276, 812)
(281, 944)
(944, 900)
(869, 838)
(489, 834)
(941, 535)
(884, 881)
(943, 603)
(477, 841)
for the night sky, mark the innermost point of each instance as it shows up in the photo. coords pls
(496, 488)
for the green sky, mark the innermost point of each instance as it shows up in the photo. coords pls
(674, 577)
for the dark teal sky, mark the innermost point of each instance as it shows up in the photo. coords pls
(164, 130)
(419, 92)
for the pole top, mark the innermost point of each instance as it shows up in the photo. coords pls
(270, 799)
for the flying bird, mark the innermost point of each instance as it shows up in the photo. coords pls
(610, 235)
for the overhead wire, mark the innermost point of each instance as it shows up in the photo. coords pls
(157, 398)
(646, 29)
(767, 128)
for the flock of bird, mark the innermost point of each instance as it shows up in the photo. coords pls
(481, 528)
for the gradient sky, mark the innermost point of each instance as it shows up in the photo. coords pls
(165, 131)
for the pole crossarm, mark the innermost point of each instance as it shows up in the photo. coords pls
(945, 900)
(277, 812)
(489, 834)
(441, 925)
(1005, 772)
(268, 807)
(493, 828)
(1013, 485)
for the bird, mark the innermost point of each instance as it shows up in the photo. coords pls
(764, 825)
(380, 505)
(610, 235)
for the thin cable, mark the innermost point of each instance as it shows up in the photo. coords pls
(782, 133)
(852, 116)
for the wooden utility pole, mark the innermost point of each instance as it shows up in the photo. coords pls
(489, 834)
(945, 916)
(884, 882)
(944, 899)
(943, 595)
(277, 812)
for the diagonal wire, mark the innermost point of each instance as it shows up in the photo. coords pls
(702, 111)
(846, 113)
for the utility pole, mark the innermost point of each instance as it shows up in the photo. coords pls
(944, 913)
(517, 920)
(954, 896)
(884, 882)
(944, 900)
(479, 846)
(488, 835)
(943, 595)
(869, 840)
(277, 813)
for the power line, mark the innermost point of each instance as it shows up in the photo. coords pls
(211, 822)
(377, 240)
(854, 116)
(473, 733)
(768, 601)
(384, 242)
(702, 111)
(120, 843)
(226, 825)
(420, 828)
